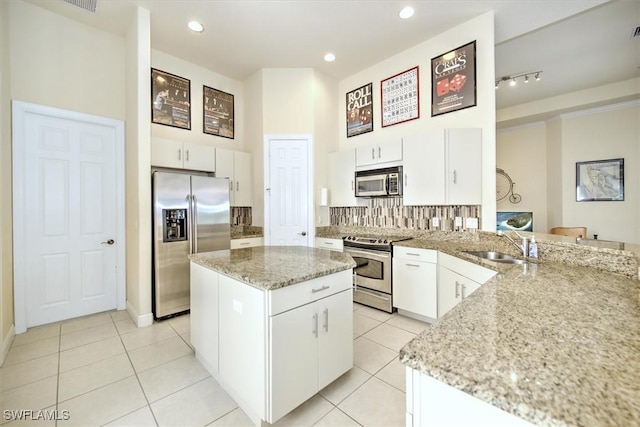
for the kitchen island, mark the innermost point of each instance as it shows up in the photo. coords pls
(545, 344)
(273, 325)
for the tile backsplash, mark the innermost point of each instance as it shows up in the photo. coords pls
(241, 215)
(390, 213)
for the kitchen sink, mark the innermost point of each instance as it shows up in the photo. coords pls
(496, 257)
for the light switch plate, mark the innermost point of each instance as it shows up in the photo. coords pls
(458, 221)
(472, 222)
(237, 306)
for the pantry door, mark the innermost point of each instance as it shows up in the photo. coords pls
(289, 194)
(68, 212)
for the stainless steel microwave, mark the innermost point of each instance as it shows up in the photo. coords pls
(379, 182)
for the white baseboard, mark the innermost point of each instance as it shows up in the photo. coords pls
(6, 344)
(140, 320)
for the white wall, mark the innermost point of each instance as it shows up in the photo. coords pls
(201, 76)
(522, 153)
(482, 116)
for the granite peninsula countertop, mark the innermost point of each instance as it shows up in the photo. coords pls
(553, 343)
(273, 267)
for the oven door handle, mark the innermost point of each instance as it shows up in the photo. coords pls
(365, 253)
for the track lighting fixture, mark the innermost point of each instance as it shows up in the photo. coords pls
(513, 80)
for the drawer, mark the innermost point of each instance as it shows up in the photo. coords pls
(249, 242)
(333, 244)
(415, 254)
(467, 269)
(289, 297)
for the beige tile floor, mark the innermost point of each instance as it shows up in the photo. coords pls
(102, 370)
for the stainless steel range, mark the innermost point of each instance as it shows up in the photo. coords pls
(372, 283)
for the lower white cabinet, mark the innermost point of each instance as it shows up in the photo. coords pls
(415, 281)
(332, 244)
(249, 242)
(204, 322)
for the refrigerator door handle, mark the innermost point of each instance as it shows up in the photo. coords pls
(194, 222)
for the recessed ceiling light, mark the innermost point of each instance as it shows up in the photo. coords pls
(195, 26)
(406, 12)
(329, 57)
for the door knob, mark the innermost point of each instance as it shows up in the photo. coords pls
(304, 233)
(108, 242)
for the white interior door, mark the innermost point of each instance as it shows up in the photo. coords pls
(289, 203)
(68, 214)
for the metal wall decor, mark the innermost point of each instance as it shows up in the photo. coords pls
(504, 187)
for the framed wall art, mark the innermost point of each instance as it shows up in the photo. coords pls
(360, 110)
(521, 221)
(170, 100)
(453, 80)
(217, 112)
(600, 181)
(400, 98)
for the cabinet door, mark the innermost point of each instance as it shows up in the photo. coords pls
(224, 169)
(166, 153)
(204, 315)
(469, 287)
(415, 287)
(242, 176)
(335, 346)
(366, 155)
(449, 290)
(331, 244)
(294, 358)
(464, 158)
(424, 169)
(389, 152)
(199, 157)
(342, 169)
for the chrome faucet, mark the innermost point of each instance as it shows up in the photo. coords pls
(524, 248)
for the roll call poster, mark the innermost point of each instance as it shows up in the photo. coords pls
(453, 80)
(360, 110)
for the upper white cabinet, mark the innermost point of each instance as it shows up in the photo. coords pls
(236, 166)
(342, 169)
(443, 167)
(182, 155)
(379, 153)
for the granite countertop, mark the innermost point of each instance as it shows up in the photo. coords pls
(246, 234)
(553, 343)
(273, 267)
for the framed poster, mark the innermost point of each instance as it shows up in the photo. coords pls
(217, 112)
(453, 80)
(521, 221)
(360, 110)
(170, 100)
(400, 98)
(600, 180)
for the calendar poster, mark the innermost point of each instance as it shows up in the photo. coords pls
(400, 98)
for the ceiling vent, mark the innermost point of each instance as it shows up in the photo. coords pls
(636, 32)
(89, 5)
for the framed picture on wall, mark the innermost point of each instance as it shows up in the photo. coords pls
(360, 110)
(170, 100)
(453, 80)
(521, 221)
(400, 98)
(600, 181)
(217, 112)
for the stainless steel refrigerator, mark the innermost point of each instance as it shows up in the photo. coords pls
(190, 215)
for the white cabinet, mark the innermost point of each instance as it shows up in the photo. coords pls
(303, 350)
(457, 279)
(332, 244)
(182, 155)
(204, 319)
(443, 167)
(379, 153)
(249, 242)
(236, 166)
(342, 170)
(415, 275)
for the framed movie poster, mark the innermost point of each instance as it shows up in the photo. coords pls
(170, 100)
(217, 112)
(360, 110)
(400, 98)
(453, 80)
(600, 181)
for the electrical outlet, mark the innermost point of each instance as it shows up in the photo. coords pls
(472, 222)
(435, 221)
(458, 221)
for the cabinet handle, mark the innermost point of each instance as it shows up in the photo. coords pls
(373, 154)
(379, 152)
(244, 243)
(187, 156)
(457, 289)
(237, 185)
(179, 154)
(351, 185)
(328, 243)
(315, 325)
(412, 254)
(405, 180)
(326, 320)
(413, 265)
(324, 288)
(455, 176)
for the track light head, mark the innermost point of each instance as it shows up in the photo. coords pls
(526, 79)
(537, 76)
(512, 82)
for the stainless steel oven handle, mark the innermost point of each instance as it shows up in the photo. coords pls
(372, 295)
(373, 254)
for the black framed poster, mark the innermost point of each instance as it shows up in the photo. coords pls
(217, 112)
(170, 100)
(600, 181)
(453, 80)
(360, 110)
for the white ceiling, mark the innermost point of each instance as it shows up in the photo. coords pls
(577, 43)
